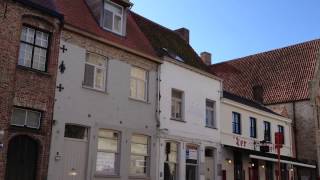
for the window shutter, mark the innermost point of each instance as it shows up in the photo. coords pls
(88, 75)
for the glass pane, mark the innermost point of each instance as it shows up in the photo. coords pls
(25, 55)
(108, 19)
(76, 132)
(39, 59)
(173, 112)
(96, 60)
(177, 94)
(107, 144)
(133, 88)
(106, 163)
(138, 165)
(141, 139)
(170, 171)
(27, 34)
(139, 149)
(18, 117)
(88, 75)
(33, 119)
(100, 81)
(117, 23)
(108, 134)
(42, 39)
(138, 73)
(141, 89)
(178, 109)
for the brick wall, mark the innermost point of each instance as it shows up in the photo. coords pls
(22, 86)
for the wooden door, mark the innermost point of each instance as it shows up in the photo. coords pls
(22, 159)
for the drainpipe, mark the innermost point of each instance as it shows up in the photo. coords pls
(157, 116)
(295, 133)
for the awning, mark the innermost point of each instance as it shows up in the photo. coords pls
(282, 161)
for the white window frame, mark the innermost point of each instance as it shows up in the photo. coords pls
(213, 110)
(148, 157)
(144, 81)
(96, 67)
(26, 118)
(106, 7)
(117, 154)
(175, 101)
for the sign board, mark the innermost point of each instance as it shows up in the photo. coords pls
(192, 153)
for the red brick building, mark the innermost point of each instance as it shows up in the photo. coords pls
(29, 48)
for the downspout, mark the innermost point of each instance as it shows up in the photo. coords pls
(157, 116)
(295, 133)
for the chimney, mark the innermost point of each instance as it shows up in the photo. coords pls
(257, 91)
(184, 33)
(206, 58)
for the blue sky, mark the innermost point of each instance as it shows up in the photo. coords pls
(236, 28)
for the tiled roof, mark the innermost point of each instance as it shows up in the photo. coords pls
(247, 102)
(167, 42)
(284, 73)
(77, 14)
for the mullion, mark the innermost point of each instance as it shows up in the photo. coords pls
(33, 46)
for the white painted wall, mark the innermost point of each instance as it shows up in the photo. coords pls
(196, 88)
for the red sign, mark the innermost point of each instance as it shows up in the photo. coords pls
(279, 140)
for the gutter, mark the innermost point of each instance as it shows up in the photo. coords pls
(42, 9)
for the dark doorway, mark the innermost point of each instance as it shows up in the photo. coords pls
(238, 170)
(254, 170)
(22, 159)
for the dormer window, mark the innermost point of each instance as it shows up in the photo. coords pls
(113, 17)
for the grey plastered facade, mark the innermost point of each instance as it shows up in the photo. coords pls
(112, 109)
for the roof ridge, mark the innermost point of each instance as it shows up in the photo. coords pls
(270, 51)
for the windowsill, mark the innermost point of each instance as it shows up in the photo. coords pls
(178, 120)
(93, 89)
(106, 176)
(236, 133)
(24, 129)
(113, 32)
(139, 177)
(139, 100)
(33, 70)
(211, 127)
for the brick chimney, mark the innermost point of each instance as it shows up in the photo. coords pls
(206, 58)
(184, 33)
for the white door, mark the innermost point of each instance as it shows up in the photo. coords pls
(209, 164)
(75, 156)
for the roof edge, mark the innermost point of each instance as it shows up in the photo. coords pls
(42, 9)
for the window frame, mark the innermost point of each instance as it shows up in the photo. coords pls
(236, 123)
(26, 117)
(175, 101)
(105, 69)
(147, 157)
(213, 110)
(34, 45)
(145, 82)
(266, 133)
(113, 17)
(253, 127)
(117, 160)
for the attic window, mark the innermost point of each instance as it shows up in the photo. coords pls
(179, 58)
(113, 17)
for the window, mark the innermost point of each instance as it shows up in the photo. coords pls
(267, 131)
(33, 49)
(176, 104)
(253, 127)
(236, 123)
(138, 84)
(139, 159)
(171, 161)
(191, 162)
(108, 152)
(76, 132)
(95, 72)
(26, 118)
(281, 130)
(210, 114)
(113, 17)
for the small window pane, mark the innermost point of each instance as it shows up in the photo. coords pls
(99, 78)
(33, 119)
(138, 73)
(141, 89)
(18, 117)
(39, 59)
(75, 131)
(42, 39)
(108, 134)
(27, 34)
(133, 88)
(88, 75)
(117, 23)
(108, 19)
(108, 144)
(106, 162)
(96, 59)
(139, 149)
(138, 165)
(25, 55)
(140, 139)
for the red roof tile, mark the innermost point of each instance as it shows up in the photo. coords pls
(77, 14)
(283, 73)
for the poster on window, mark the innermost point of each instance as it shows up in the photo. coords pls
(192, 153)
